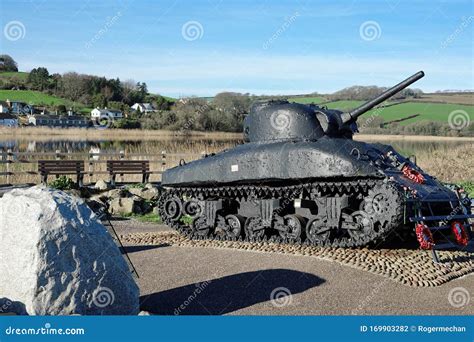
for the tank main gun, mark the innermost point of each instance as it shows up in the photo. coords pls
(355, 113)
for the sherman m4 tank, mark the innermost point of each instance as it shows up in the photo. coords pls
(300, 177)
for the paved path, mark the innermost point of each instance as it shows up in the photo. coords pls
(178, 280)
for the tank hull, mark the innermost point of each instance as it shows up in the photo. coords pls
(276, 161)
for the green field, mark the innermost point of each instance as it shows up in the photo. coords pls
(36, 98)
(9, 75)
(308, 99)
(431, 111)
(427, 111)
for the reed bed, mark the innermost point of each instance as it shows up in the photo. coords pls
(79, 134)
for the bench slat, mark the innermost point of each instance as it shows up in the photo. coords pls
(117, 169)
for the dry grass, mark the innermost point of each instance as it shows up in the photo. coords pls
(417, 138)
(76, 134)
(453, 165)
(457, 98)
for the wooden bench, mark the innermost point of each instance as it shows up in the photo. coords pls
(61, 167)
(129, 167)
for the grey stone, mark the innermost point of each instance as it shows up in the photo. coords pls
(149, 186)
(101, 185)
(117, 193)
(148, 194)
(57, 259)
(125, 206)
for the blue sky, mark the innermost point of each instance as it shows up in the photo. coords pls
(182, 48)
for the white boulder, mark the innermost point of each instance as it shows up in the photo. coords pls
(57, 259)
(101, 185)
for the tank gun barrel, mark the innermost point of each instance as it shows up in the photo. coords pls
(354, 114)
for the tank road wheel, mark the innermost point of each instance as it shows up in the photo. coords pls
(358, 225)
(254, 228)
(230, 226)
(317, 232)
(233, 226)
(173, 209)
(200, 226)
(292, 227)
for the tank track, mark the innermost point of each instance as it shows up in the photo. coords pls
(389, 215)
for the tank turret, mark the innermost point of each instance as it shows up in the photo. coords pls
(281, 120)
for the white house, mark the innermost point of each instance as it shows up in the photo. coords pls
(97, 113)
(8, 120)
(143, 107)
(3, 107)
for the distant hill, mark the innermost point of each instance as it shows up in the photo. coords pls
(12, 75)
(40, 99)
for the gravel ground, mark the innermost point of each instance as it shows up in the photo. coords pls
(201, 280)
